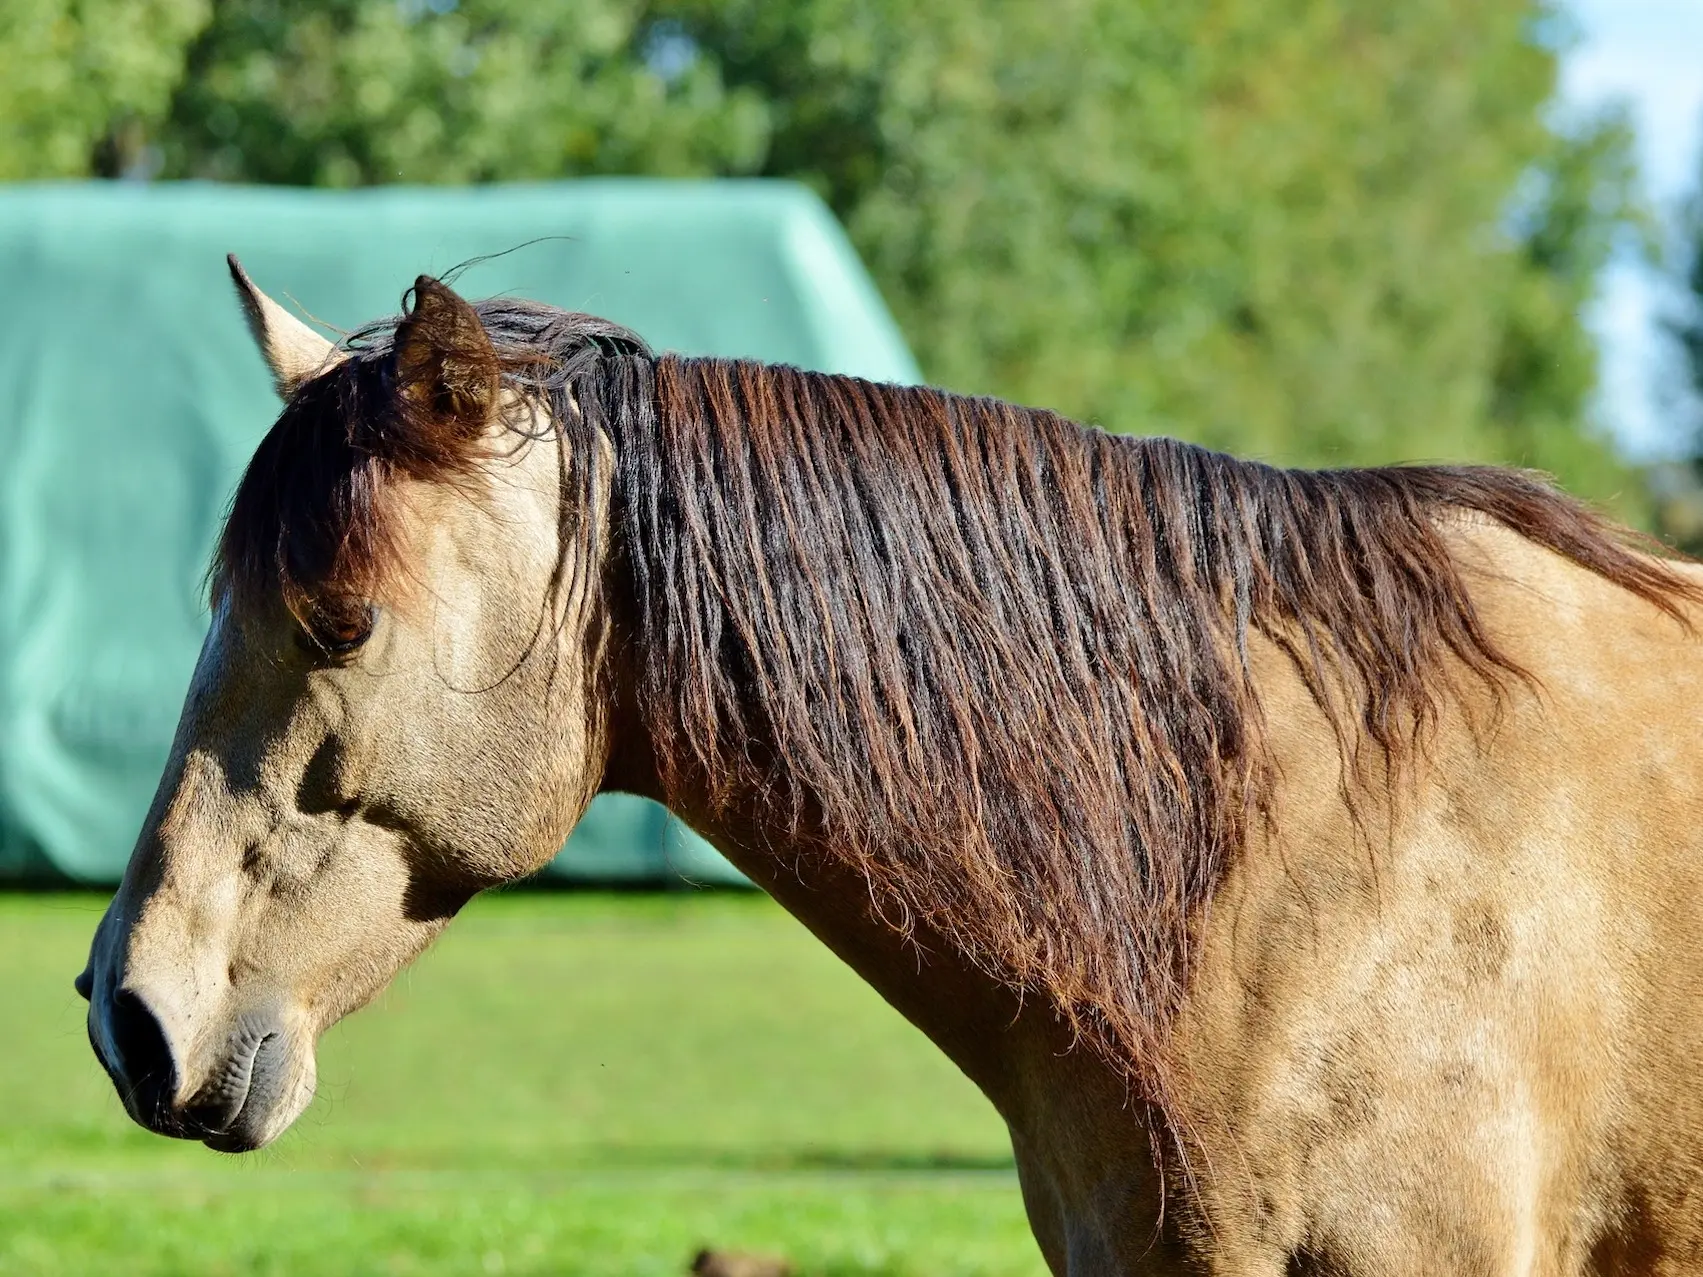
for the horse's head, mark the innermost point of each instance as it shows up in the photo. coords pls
(398, 703)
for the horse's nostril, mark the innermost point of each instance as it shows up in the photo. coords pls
(143, 1054)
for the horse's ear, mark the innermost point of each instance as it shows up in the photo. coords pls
(445, 363)
(293, 351)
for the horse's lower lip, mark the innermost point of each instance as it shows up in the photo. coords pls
(232, 1128)
(232, 1142)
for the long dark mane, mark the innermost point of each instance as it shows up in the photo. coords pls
(995, 660)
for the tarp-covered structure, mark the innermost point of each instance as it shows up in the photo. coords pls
(131, 396)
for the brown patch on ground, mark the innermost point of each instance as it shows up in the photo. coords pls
(728, 1263)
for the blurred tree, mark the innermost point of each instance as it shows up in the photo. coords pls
(1579, 199)
(1686, 326)
(1326, 231)
(355, 92)
(1322, 230)
(1678, 484)
(82, 81)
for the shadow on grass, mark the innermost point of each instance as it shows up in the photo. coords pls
(874, 1160)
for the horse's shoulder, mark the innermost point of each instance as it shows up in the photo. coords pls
(1582, 639)
(1514, 577)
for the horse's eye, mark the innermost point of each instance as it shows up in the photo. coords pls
(338, 629)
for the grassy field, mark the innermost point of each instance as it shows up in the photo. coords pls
(567, 1084)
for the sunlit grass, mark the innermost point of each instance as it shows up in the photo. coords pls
(568, 1084)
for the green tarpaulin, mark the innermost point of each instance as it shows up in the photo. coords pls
(131, 396)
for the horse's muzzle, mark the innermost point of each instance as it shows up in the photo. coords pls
(227, 1112)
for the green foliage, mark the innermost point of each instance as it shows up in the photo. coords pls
(355, 92)
(1679, 484)
(81, 78)
(1686, 325)
(1279, 228)
(1322, 231)
(1580, 199)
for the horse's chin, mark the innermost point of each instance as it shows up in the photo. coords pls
(259, 1096)
(281, 1085)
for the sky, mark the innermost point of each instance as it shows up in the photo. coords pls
(1649, 54)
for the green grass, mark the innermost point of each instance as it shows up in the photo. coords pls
(567, 1084)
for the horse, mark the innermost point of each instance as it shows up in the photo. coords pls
(1307, 865)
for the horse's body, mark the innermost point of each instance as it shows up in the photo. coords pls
(1469, 1043)
(1472, 1048)
(1476, 1049)
(1347, 920)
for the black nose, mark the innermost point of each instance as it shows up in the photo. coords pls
(85, 983)
(143, 1070)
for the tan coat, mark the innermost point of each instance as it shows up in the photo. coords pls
(1445, 1027)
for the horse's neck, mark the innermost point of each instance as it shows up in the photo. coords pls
(968, 1015)
(1014, 1048)
(1080, 1142)
(979, 1023)
(1075, 1126)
